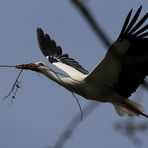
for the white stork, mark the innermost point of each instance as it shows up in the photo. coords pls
(119, 74)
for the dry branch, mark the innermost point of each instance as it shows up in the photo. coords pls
(73, 124)
(15, 85)
(95, 26)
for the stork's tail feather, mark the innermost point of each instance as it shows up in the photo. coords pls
(130, 108)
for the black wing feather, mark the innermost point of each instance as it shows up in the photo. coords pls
(143, 35)
(133, 21)
(134, 66)
(139, 23)
(54, 52)
(141, 30)
(126, 23)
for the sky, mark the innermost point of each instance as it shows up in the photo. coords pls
(42, 109)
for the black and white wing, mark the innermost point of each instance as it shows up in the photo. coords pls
(56, 57)
(126, 63)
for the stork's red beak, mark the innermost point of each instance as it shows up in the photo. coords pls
(30, 66)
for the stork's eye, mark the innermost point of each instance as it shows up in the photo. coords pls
(41, 64)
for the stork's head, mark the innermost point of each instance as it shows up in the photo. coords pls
(37, 66)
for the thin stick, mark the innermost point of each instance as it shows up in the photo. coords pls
(8, 66)
(14, 95)
(79, 105)
(13, 87)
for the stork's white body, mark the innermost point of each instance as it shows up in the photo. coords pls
(97, 85)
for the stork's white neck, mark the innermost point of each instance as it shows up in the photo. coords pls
(65, 82)
(69, 83)
(51, 75)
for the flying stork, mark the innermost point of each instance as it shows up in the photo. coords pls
(119, 74)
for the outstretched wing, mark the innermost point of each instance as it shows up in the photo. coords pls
(126, 62)
(55, 56)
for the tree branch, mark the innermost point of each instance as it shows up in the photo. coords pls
(73, 124)
(92, 22)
